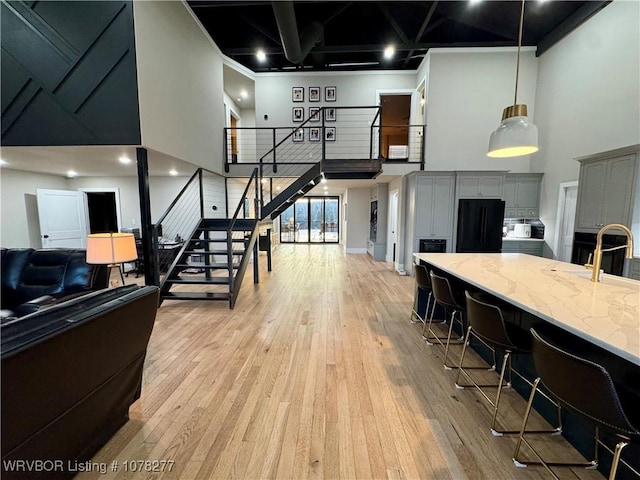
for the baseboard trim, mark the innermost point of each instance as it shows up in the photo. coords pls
(356, 250)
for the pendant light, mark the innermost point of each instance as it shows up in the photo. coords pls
(515, 136)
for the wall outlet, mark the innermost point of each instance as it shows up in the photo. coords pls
(133, 221)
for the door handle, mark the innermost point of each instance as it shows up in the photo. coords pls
(45, 236)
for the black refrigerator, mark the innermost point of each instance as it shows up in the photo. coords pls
(480, 226)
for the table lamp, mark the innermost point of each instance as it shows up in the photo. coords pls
(111, 249)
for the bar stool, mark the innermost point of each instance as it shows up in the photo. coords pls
(487, 323)
(443, 295)
(423, 284)
(586, 389)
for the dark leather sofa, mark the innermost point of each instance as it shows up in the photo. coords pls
(69, 374)
(32, 278)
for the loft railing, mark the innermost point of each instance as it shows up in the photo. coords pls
(343, 133)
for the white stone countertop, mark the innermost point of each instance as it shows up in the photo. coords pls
(516, 239)
(605, 313)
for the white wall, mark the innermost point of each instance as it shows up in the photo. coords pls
(162, 191)
(466, 93)
(19, 222)
(19, 226)
(588, 98)
(180, 84)
(273, 91)
(357, 222)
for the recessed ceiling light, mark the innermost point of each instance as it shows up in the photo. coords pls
(278, 187)
(72, 173)
(124, 160)
(244, 94)
(326, 193)
(173, 172)
(239, 99)
(324, 180)
(389, 51)
(325, 187)
(2, 162)
(261, 56)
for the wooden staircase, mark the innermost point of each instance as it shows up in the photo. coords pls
(223, 248)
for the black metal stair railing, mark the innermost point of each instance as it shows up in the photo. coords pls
(235, 281)
(198, 218)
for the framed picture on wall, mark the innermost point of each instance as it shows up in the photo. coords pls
(330, 114)
(314, 134)
(297, 114)
(298, 135)
(314, 94)
(329, 94)
(330, 134)
(297, 94)
(314, 114)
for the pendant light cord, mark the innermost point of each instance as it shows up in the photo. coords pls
(515, 96)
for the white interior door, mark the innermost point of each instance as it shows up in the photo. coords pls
(63, 218)
(568, 222)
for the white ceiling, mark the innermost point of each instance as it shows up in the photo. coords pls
(90, 161)
(235, 82)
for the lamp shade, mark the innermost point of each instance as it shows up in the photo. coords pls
(107, 248)
(515, 136)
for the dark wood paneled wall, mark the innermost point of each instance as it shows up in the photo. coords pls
(69, 73)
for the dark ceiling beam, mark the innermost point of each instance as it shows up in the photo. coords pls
(259, 28)
(423, 27)
(572, 22)
(336, 12)
(394, 24)
(372, 48)
(216, 4)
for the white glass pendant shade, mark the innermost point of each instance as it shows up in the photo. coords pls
(515, 136)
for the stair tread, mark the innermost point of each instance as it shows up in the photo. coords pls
(195, 296)
(211, 266)
(213, 252)
(199, 281)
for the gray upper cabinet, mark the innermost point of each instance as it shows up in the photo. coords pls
(521, 194)
(479, 185)
(605, 191)
(434, 202)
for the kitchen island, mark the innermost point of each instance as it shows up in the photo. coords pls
(599, 321)
(606, 314)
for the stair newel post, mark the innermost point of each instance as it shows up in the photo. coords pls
(261, 188)
(258, 205)
(275, 163)
(324, 138)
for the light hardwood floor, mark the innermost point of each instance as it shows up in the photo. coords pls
(317, 373)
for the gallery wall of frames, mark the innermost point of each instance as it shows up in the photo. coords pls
(299, 113)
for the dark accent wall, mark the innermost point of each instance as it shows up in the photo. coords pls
(68, 73)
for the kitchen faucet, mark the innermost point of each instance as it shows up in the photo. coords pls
(597, 254)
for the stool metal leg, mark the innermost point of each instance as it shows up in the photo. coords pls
(433, 308)
(521, 440)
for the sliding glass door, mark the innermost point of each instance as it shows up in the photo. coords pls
(311, 220)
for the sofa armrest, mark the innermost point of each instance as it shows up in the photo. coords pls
(44, 301)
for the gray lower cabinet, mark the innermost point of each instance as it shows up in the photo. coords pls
(530, 247)
(521, 194)
(605, 190)
(634, 268)
(429, 211)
